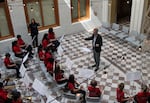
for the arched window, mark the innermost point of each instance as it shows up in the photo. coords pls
(6, 30)
(45, 12)
(79, 10)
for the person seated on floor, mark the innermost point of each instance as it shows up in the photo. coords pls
(120, 94)
(17, 50)
(4, 95)
(16, 97)
(45, 41)
(143, 96)
(47, 55)
(53, 40)
(11, 65)
(59, 75)
(93, 90)
(50, 66)
(71, 84)
(20, 42)
(41, 53)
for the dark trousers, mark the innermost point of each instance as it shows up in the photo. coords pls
(35, 41)
(96, 58)
(82, 92)
(16, 68)
(21, 55)
(62, 81)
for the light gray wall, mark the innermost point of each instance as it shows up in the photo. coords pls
(66, 26)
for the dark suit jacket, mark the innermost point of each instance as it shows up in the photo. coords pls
(98, 42)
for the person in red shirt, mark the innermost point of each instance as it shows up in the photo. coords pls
(143, 96)
(47, 55)
(16, 97)
(120, 94)
(93, 90)
(3, 93)
(71, 86)
(50, 65)
(11, 65)
(45, 41)
(59, 75)
(51, 34)
(20, 42)
(54, 42)
(17, 50)
(41, 53)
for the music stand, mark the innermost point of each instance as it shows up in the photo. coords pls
(30, 43)
(25, 58)
(131, 76)
(60, 53)
(69, 64)
(22, 69)
(51, 99)
(61, 38)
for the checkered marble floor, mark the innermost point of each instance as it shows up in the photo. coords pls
(118, 54)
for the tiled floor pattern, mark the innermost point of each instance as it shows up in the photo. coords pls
(122, 56)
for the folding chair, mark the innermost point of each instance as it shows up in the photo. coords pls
(93, 99)
(115, 29)
(105, 27)
(68, 96)
(124, 34)
(133, 38)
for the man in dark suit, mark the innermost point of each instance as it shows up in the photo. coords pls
(96, 43)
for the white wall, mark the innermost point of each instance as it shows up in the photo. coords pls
(66, 26)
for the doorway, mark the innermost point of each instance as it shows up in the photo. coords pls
(124, 12)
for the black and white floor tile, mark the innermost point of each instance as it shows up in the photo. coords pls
(118, 54)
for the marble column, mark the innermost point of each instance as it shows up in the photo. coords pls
(137, 12)
(105, 11)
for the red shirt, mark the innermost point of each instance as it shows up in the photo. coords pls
(120, 95)
(142, 97)
(47, 56)
(51, 35)
(16, 49)
(58, 76)
(71, 86)
(18, 101)
(41, 55)
(3, 94)
(49, 66)
(7, 61)
(45, 43)
(94, 92)
(20, 42)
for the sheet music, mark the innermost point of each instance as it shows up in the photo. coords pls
(130, 76)
(84, 49)
(51, 100)
(22, 70)
(39, 87)
(25, 58)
